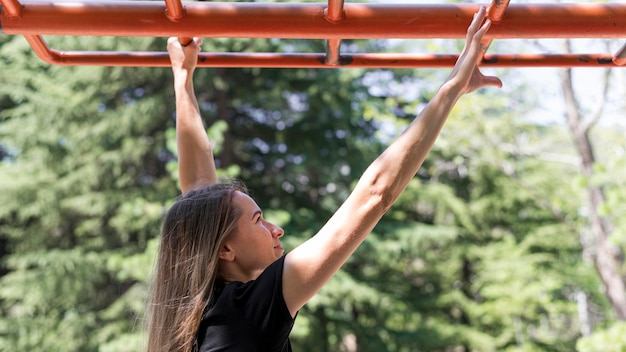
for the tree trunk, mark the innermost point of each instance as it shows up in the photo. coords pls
(583, 313)
(607, 258)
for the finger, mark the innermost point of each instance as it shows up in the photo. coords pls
(474, 47)
(476, 22)
(474, 28)
(483, 29)
(198, 42)
(172, 41)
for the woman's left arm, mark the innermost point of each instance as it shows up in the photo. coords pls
(309, 266)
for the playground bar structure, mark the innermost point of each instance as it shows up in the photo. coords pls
(332, 22)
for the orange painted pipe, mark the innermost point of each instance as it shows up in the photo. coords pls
(271, 60)
(334, 12)
(554, 60)
(497, 10)
(13, 8)
(307, 21)
(95, 58)
(620, 56)
(174, 10)
(333, 55)
(495, 14)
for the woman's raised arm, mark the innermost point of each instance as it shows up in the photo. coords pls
(309, 266)
(196, 167)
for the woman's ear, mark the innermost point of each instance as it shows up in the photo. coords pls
(227, 253)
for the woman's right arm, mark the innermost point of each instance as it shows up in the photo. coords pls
(196, 166)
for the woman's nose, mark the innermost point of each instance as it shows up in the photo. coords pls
(276, 231)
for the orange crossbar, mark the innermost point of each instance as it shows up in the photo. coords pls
(307, 21)
(271, 60)
(333, 22)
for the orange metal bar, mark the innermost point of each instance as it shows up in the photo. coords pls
(174, 10)
(334, 14)
(41, 49)
(497, 9)
(620, 56)
(13, 8)
(380, 60)
(95, 58)
(310, 21)
(495, 14)
(558, 60)
(271, 60)
(307, 21)
(333, 56)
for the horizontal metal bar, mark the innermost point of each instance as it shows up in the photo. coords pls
(272, 60)
(307, 21)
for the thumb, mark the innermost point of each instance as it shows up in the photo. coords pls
(493, 81)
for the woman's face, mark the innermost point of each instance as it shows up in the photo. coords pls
(256, 243)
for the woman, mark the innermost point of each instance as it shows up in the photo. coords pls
(223, 282)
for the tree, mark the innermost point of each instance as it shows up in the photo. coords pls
(85, 183)
(608, 258)
(476, 255)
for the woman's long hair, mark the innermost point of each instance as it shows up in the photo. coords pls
(194, 230)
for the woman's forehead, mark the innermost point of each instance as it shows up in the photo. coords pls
(245, 201)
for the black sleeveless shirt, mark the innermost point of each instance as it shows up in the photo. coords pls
(249, 316)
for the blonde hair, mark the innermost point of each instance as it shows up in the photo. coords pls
(187, 267)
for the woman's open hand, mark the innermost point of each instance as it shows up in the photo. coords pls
(466, 77)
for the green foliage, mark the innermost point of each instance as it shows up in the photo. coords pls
(612, 339)
(607, 174)
(85, 183)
